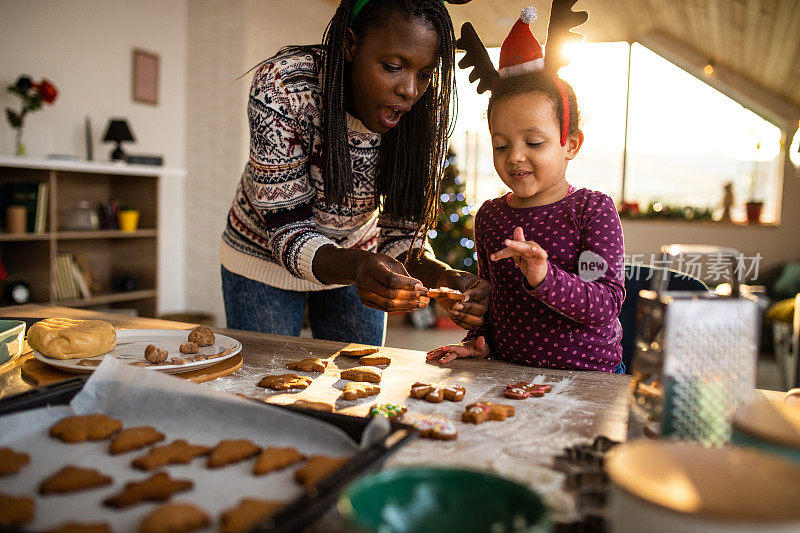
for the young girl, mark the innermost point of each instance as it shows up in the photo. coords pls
(346, 150)
(553, 253)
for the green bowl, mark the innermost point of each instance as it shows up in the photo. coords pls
(12, 336)
(441, 500)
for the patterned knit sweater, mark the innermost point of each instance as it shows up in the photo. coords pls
(279, 219)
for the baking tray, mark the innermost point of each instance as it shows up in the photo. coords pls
(296, 514)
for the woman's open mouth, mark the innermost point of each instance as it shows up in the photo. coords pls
(389, 116)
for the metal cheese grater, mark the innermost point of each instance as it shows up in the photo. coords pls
(696, 355)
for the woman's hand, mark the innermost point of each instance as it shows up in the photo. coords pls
(384, 284)
(467, 313)
(529, 257)
(470, 348)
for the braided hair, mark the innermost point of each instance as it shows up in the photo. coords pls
(410, 161)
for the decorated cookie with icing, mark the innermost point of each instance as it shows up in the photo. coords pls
(436, 392)
(435, 429)
(525, 389)
(388, 410)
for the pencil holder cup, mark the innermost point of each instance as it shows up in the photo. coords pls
(128, 220)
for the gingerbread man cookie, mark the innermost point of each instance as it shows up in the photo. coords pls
(134, 438)
(231, 451)
(174, 517)
(480, 412)
(247, 514)
(11, 461)
(15, 511)
(276, 459)
(367, 374)
(357, 352)
(435, 429)
(318, 468)
(355, 390)
(325, 407)
(177, 452)
(525, 389)
(73, 479)
(309, 364)
(446, 292)
(157, 488)
(374, 360)
(436, 392)
(285, 382)
(74, 429)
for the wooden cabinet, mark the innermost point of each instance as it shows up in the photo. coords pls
(110, 254)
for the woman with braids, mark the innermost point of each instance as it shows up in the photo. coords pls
(347, 142)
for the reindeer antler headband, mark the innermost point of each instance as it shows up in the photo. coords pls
(521, 52)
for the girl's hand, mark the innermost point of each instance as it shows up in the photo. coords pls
(384, 284)
(467, 313)
(471, 348)
(529, 257)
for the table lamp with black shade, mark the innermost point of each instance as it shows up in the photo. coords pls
(118, 131)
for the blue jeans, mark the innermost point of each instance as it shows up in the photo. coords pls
(334, 315)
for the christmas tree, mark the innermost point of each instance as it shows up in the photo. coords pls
(453, 239)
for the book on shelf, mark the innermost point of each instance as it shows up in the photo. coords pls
(69, 281)
(33, 196)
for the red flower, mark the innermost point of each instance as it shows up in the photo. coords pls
(47, 91)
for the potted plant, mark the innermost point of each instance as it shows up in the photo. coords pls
(128, 218)
(33, 95)
(753, 205)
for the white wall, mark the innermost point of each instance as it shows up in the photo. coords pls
(225, 39)
(84, 47)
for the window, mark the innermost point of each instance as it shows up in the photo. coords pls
(685, 140)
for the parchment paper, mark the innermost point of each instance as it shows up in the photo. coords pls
(179, 410)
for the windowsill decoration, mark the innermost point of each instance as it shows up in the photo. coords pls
(33, 95)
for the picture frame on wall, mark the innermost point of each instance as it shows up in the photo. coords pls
(145, 76)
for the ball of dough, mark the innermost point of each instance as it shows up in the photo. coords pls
(65, 338)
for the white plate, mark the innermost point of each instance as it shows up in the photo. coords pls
(132, 342)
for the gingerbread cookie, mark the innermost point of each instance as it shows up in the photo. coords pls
(525, 389)
(155, 354)
(231, 451)
(74, 429)
(177, 452)
(15, 511)
(157, 488)
(480, 412)
(355, 390)
(374, 359)
(246, 515)
(387, 410)
(276, 459)
(436, 392)
(285, 382)
(309, 364)
(446, 292)
(368, 374)
(11, 462)
(202, 336)
(318, 468)
(189, 347)
(134, 438)
(314, 406)
(73, 479)
(357, 352)
(435, 429)
(75, 527)
(175, 518)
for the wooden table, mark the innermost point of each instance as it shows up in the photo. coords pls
(582, 405)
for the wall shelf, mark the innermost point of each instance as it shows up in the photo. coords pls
(108, 253)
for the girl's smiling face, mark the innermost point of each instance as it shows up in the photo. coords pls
(526, 143)
(390, 68)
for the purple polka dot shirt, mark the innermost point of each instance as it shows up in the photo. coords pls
(570, 320)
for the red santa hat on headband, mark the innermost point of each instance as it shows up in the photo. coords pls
(521, 51)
